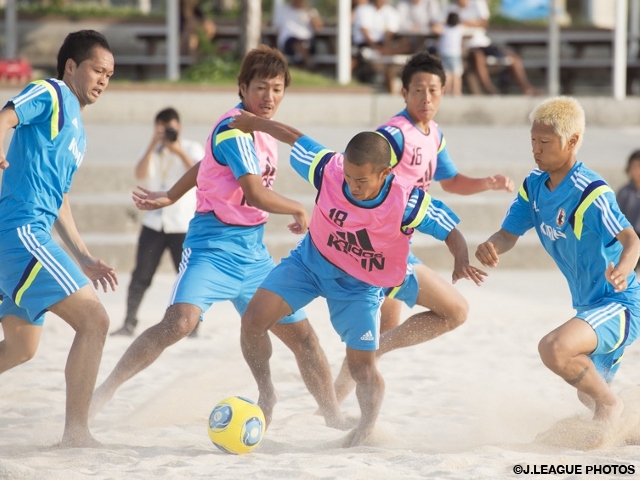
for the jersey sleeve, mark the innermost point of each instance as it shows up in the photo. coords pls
(308, 159)
(599, 211)
(518, 217)
(445, 168)
(395, 137)
(236, 149)
(428, 215)
(36, 103)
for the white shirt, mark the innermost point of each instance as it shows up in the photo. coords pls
(291, 22)
(475, 10)
(450, 41)
(376, 21)
(418, 17)
(164, 170)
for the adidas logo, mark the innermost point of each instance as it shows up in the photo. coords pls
(367, 336)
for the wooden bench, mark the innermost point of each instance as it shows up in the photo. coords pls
(143, 63)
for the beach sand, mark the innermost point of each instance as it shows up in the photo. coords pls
(471, 404)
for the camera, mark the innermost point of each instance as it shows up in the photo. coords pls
(170, 134)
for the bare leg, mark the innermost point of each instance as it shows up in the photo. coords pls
(83, 311)
(520, 74)
(20, 343)
(369, 391)
(179, 320)
(448, 310)
(263, 311)
(563, 352)
(390, 312)
(479, 61)
(314, 368)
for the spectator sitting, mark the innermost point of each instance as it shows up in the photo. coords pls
(474, 16)
(419, 16)
(296, 25)
(450, 50)
(374, 30)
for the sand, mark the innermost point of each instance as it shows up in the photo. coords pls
(471, 404)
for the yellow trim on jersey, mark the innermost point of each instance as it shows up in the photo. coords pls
(235, 133)
(442, 145)
(32, 275)
(55, 116)
(314, 164)
(523, 193)
(424, 206)
(621, 324)
(586, 203)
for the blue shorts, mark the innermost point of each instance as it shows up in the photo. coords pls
(354, 306)
(207, 276)
(36, 273)
(408, 291)
(616, 327)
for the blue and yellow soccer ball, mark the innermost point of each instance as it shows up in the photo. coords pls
(236, 425)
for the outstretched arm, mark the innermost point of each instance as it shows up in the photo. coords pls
(463, 185)
(248, 122)
(148, 200)
(498, 243)
(617, 274)
(94, 268)
(266, 199)
(457, 245)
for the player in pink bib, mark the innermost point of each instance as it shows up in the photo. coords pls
(419, 155)
(224, 256)
(357, 244)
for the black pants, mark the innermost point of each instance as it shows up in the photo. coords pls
(151, 246)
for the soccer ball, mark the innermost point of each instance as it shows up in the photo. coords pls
(236, 425)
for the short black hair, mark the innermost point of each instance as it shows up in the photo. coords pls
(166, 115)
(453, 19)
(422, 62)
(369, 148)
(79, 46)
(634, 157)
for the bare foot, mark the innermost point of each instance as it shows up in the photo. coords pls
(609, 413)
(266, 401)
(341, 422)
(358, 435)
(79, 439)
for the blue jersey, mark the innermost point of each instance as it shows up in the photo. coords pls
(577, 224)
(46, 150)
(308, 158)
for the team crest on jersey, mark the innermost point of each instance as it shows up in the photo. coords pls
(561, 217)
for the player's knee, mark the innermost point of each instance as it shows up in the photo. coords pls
(364, 373)
(551, 352)
(459, 314)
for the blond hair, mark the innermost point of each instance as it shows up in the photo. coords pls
(565, 115)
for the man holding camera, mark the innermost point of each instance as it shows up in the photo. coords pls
(163, 162)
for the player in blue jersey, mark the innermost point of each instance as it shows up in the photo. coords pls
(358, 242)
(37, 276)
(224, 255)
(577, 219)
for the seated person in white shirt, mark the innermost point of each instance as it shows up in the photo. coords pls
(474, 16)
(296, 24)
(374, 34)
